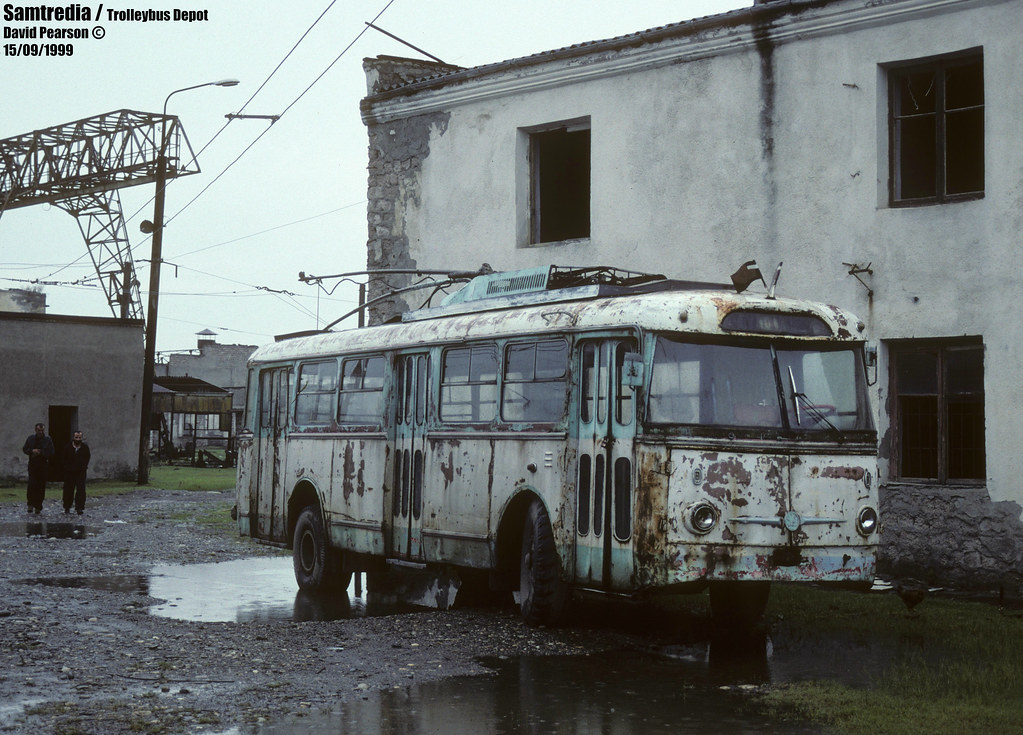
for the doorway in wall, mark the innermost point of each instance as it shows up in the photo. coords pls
(63, 420)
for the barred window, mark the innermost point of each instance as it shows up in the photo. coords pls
(939, 399)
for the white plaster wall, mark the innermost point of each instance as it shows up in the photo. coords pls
(681, 185)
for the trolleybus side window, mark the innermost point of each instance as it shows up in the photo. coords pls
(468, 392)
(314, 405)
(265, 395)
(535, 381)
(587, 383)
(624, 395)
(273, 398)
(362, 391)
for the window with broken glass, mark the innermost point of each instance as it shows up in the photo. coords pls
(939, 420)
(937, 129)
(560, 183)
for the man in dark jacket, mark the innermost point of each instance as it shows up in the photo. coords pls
(39, 449)
(76, 461)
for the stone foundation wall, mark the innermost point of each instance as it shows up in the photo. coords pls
(951, 537)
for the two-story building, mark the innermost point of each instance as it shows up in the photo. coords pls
(870, 145)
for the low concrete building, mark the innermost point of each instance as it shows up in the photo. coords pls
(867, 144)
(71, 373)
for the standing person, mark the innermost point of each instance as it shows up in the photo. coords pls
(39, 449)
(76, 461)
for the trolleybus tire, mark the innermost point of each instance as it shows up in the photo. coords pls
(317, 566)
(738, 603)
(542, 593)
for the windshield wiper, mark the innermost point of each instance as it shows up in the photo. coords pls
(811, 408)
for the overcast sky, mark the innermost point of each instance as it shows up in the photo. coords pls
(295, 200)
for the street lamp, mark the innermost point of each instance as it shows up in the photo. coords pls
(156, 227)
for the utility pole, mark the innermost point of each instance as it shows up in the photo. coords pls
(149, 368)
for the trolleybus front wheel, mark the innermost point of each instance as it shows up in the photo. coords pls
(542, 593)
(317, 566)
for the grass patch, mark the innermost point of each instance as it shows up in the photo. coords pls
(167, 477)
(217, 517)
(956, 667)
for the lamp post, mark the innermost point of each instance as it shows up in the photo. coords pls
(156, 227)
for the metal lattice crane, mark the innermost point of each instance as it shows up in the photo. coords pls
(79, 167)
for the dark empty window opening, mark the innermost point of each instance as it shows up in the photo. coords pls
(560, 202)
(939, 400)
(937, 129)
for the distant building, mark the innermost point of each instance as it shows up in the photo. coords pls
(24, 301)
(71, 373)
(871, 145)
(221, 365)
(190, 415)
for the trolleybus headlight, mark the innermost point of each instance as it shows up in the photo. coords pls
(701, 518)
(866, 521)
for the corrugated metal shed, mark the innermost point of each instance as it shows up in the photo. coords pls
(189, 395)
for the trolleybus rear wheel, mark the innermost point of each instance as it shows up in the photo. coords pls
(542, 593)
(317, 566)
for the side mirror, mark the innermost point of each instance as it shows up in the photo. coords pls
(632, 369)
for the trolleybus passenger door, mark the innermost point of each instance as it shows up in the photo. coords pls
(408, 465)
(267, 504)
(606, 428)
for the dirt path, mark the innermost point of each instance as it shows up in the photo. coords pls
(83, 660)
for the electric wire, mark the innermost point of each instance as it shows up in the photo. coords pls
(230, 120)
(284, 297)
(283, 113)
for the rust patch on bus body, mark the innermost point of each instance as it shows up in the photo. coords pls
(844, 473)
(651, 521)
(360, 486)
(348, 471)
(775, 481)
(447, 470)
(724, 477)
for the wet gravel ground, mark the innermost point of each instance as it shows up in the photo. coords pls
(83, 660)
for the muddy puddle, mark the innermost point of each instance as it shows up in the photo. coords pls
(696, 684)
(257, 589)
(622, 692)
(48, 529)
(235, 591)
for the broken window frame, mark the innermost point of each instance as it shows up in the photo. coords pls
(946, 151)
(943, 409)
(559, 182)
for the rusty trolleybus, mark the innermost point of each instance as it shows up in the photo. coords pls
(572, 429)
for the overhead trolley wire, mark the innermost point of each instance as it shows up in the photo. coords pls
(286, 109)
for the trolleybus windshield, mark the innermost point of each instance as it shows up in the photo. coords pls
(759, 385)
